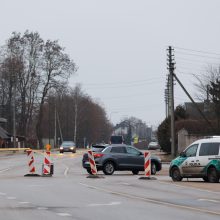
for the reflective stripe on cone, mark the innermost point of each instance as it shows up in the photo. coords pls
(31, 162)
(147, 164)
(92, 162)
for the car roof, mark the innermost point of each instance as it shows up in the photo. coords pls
(118, 145)
(208, 140)
(67, 142)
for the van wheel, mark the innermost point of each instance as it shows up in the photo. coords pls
(175, 174)
(153, 169)
(212, 175)
(108, 168)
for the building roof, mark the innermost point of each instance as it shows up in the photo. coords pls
(3, 133)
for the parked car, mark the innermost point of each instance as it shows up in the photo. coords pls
(153, 145)
(121, 157)
(200, 160)
(68, 146)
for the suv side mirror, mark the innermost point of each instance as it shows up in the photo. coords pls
(183, 154)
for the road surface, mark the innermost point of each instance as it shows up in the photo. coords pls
(69, 194)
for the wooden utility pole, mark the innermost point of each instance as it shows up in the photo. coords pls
(171, 81)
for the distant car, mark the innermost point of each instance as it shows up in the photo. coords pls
(116, 139)
(121, 157)
(68, 146)
(153, 145)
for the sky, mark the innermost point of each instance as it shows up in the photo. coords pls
(120, 46)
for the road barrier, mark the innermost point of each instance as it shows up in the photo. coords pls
(47, 167)
(92, 162)
(147, 167)
(14, 150)
(32, 170)
(147, 164)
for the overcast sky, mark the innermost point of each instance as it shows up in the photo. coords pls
(120, 46)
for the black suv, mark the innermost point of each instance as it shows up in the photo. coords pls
(121, 157)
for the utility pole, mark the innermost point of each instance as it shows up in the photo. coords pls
(14, 84)
(13, 109)
(171, 82)
(76, 112)
(55, 124)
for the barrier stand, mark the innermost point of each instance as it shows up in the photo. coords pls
(31, 166)
(92, 166)
(47, 166)
(147, 167)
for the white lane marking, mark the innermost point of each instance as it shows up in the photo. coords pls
(4, 170)
(209, 200)
(108, 204)
(189, 187)
(24, 202)
(66, 171)
(123, 183)
(126, 195)
(2, 194)
(11, 197)
(42, 208)
(63, 214)
(36, 185)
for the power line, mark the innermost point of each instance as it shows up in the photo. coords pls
(125, 86)
(198, 51)
(197, 61)
(127, 96)
(121, 83)
(197, 55)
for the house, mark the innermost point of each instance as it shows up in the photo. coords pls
(139, 129)
(205, 107)
(4, 138)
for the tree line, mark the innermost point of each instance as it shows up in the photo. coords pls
(34, 82)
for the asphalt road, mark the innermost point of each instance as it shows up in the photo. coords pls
(69, 194)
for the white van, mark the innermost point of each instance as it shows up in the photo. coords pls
(200, 160)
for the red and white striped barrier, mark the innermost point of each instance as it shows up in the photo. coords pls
(47, 163)
(147, 164)
(31, 166)
(92, 162)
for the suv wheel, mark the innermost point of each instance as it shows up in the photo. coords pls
(135, 172)
(212, 175)
(153, 169)
(108, 168)
(205, 178)
(175, 174)
(89, 171)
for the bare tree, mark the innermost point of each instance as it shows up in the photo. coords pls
(56, 68)
(204, 80)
